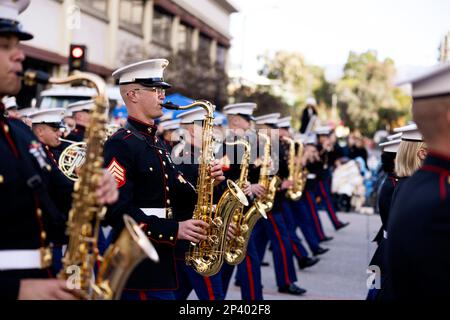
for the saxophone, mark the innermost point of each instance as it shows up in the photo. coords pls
(206, 257)
(302, 173)
(294, 193)
(83, 226)
(236, 248)
(270, 184)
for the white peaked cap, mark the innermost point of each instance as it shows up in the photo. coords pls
(9, 102)
(284, 122)
(190, 116)
(53, 115)
(311, 101)
(169, 124)
(394, 136)
(310, 139)
(410, 133)
(432, 83)
(147, 73)
(83, 105)
(26, 111)
(271, 118)
(323, 130)
(10, 9)
(391, 146)
(245, 108)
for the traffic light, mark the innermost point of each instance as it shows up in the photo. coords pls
(77, 57)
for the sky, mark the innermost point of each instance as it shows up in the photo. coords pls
(325, 31)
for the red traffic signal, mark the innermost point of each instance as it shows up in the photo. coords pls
(77, 52)
(77, 57)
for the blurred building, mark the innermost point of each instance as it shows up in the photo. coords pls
(118, 32)
(444, 49)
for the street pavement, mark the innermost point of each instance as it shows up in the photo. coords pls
(341, 272)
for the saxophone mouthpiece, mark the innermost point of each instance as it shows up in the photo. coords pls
(31, 77)
(169, 105)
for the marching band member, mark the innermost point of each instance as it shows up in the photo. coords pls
(186, 157)
(30, 218)
(151, 189)
(418, 228)
(275, 227)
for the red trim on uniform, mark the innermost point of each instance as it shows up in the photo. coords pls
(393, 180)
(50, 155)
(435, 169)
(443, 174)
(330, 207)
(127, 136)
(209, 288)
(437, 154)
(293, 244)
(118, 172)
(250, 277)
(9, 139)
(314, 215)
(283, 250)
(142, 295)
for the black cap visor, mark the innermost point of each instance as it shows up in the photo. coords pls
(12, 27)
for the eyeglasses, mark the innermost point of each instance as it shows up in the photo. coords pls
(158, 90)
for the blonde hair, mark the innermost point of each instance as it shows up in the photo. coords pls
(407, 160)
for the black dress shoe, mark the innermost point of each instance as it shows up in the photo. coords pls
(342, 225)
(320, 250)
(306, 262)
(265, 264)
(292, 289)
(327, 238)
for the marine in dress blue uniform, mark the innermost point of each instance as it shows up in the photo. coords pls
(290, 209)
(240, 117)
(151, 189)
(186, 157)
(275, 226)
(384, 203)
(27, 182)
(418, 226)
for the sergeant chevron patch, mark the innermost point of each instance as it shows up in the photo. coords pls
(118, 172)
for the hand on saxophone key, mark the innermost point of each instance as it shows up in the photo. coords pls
(247, 189)
(232, 231)
(286, 184)
(107, 189)
(258, 190)
(45, 289)
(216, 172)
(192, 230)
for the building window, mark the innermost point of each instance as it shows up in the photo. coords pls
(131, 13)
(162, 27)
(185, 38)
(204, 47)
(101, 6)
(221, 56)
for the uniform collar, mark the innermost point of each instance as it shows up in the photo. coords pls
(437, 159)
(142, 126)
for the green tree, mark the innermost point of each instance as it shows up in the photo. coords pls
(367, 97)
(267, 102)
(297, 81)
